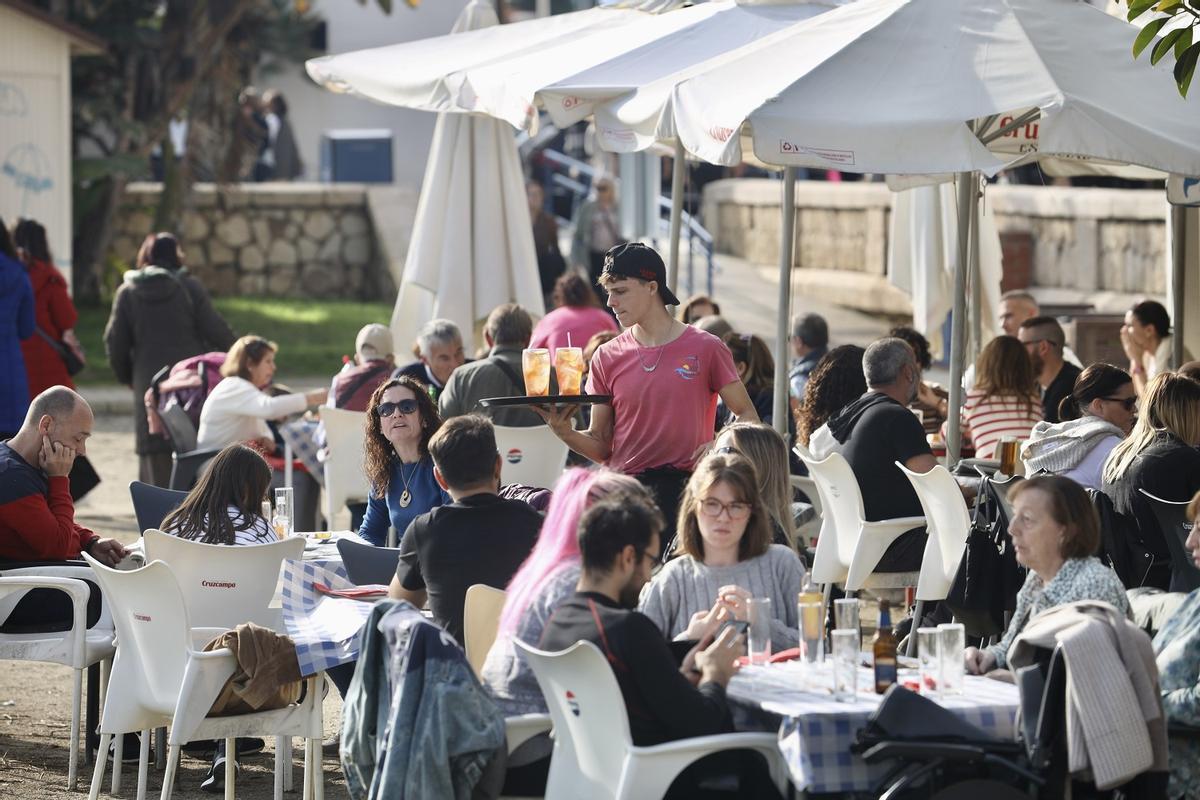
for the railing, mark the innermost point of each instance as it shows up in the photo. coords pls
(575, 177)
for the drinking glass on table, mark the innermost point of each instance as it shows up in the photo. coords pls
(535, 362)
(1007, 451)
(929, 659)
(568, 367)
(283, 518)
(845, 616)
(952, 641)
(845, 664)
(758, 614)
(812, 635)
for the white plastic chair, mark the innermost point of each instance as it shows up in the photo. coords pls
(224, 586)
(481, 618)
(947, 522)
(531, 456)
(850, 547)
(77, 648)
(345, 481)
(161, 677)
(594, 756)
(809, 487)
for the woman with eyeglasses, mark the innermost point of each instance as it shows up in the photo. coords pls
(1096, 416)
(723, 540)
(401, 419)
(1160, 456)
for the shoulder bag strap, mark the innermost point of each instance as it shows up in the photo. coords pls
(507, 369)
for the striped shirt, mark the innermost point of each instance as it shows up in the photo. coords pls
(987, 420)
(246, 531)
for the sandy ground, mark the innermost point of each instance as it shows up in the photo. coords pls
(35, 699)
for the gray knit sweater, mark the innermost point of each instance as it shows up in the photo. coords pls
(685, 586)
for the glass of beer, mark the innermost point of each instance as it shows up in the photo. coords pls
(568, 367)
(812, 634)
(535, 361)
(1007, 450)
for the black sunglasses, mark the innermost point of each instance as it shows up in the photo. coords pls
(404, 407)
(1130, 403)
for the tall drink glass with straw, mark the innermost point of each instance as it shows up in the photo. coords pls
(568, 368)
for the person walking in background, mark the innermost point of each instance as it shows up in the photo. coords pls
(54, 313)
(596, 231)
(281, 156)
(16, 324)
(160, 315)
(576, 318)
(550, 261)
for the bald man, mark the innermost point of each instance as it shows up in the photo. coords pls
(37, 515)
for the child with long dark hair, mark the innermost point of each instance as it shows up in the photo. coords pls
(225, 507)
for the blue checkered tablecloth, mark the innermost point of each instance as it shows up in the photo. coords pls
(300, 436)
(325, 629)
(816, 731)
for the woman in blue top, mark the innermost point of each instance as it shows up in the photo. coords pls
(401, 419)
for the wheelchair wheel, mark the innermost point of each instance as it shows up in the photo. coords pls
(980, 789)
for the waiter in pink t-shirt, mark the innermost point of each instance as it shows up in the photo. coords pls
(664, 378)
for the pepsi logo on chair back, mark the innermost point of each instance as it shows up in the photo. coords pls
(572, 703)
(514, 456)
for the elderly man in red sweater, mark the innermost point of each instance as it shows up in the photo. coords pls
(37, 516)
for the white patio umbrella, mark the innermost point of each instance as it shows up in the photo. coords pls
(472, 244)
(917, 87)
(602, 53)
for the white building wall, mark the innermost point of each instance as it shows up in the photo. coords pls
(35, 129)
(314, 110)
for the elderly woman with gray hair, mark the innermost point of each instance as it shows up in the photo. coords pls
(439, 351)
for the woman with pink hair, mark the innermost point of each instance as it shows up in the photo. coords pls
(546, 578)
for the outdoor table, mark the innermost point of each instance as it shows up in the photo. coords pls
(816, 731)
(324, 628)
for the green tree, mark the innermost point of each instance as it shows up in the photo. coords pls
(1179, 18)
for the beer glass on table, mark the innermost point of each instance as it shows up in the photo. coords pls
(1007, 450)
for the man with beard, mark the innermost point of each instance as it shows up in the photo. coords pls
(667, 698)
(876, 431)
(1044, 340)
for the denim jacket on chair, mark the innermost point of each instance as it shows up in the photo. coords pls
(417, 723)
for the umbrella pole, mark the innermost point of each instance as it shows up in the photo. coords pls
(967, 204)
(780, 408)
(678, 170)
(1178, 280)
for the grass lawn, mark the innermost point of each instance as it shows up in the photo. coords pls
(312, 335)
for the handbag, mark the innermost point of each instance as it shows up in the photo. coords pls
(988, 576)
(71, 359)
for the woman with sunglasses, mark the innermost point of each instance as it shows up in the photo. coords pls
(723, 541)
(401, 419)
(1096, 416)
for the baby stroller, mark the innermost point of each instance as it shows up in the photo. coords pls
(939, 756)
(173, 404)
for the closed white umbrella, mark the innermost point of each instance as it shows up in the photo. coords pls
(472, 244)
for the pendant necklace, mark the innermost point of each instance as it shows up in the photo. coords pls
(406, 496)
(654, 366)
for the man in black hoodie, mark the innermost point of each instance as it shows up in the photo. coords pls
(876, 431)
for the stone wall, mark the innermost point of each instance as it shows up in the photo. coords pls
(1098, 246)
(307, 240)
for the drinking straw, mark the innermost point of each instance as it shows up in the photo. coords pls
(568, 338)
